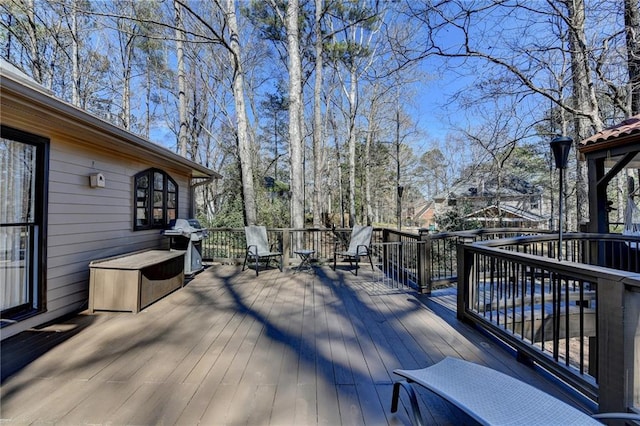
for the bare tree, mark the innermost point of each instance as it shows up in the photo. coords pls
(244, 145)
(355, 47)
(34, 46)
(32, 38)
(296, 145)
(587, 114)
(632, 34)
(75, 54)
(524, 64)
(182, 102)
(498, 136)
(318, 140)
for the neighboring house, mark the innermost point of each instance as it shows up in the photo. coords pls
(521, 204)
(74, 188)
(424, 217)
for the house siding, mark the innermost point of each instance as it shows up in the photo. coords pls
(84, 223)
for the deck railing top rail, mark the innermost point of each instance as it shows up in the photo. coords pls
(553, 236)
(565, 267)
(578, 317)
(614, 251)
(483, 233)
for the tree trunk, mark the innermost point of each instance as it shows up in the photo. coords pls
(126, 92)
(588, 119)
(367, 165)
(632, 28)
(244, 146)
(397, 143)
(318, 158)
(352, 146)
(338, 165)
(36, 61)
(296, 147)
(75, 70)
(147, 102)
(182, 97)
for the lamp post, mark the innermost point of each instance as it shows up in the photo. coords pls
(560, 146)
(399, 207)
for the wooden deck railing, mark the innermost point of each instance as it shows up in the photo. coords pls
(419, 259)
(228, 245)
(579, 318)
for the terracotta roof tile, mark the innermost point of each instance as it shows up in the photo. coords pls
(627, 127)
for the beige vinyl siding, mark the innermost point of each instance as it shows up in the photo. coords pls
(87, 223)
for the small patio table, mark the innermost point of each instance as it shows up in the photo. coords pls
(305, 257)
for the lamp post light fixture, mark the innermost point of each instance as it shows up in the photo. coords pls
(560, 146)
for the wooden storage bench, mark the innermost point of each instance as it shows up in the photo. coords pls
(133, 281)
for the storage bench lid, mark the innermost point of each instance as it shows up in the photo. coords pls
(138, 260)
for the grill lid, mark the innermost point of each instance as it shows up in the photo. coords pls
(184, 227)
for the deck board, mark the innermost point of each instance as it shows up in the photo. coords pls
(232, 348)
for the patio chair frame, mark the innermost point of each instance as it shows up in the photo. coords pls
(258, 247)
(359, 245)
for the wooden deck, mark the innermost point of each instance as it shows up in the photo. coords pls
(230, 348)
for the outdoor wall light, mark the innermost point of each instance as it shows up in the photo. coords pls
(560, 146)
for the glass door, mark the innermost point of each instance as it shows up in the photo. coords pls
(21, 220)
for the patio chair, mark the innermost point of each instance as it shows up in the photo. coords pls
(359, 245)
(258, 247)
(491, 397)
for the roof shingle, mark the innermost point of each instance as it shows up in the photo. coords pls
(629, 126)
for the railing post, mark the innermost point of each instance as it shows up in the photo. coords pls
(286, 246)
(385, 252)
(465, 265)
(424, 264)
(632, 341)
(402, 276)
(612, 380)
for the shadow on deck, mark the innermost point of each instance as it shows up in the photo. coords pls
(233, 348)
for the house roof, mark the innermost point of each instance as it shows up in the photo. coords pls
(471, 189)
(511, 214)
(622, 133)
(423, 209)
(26, 94)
